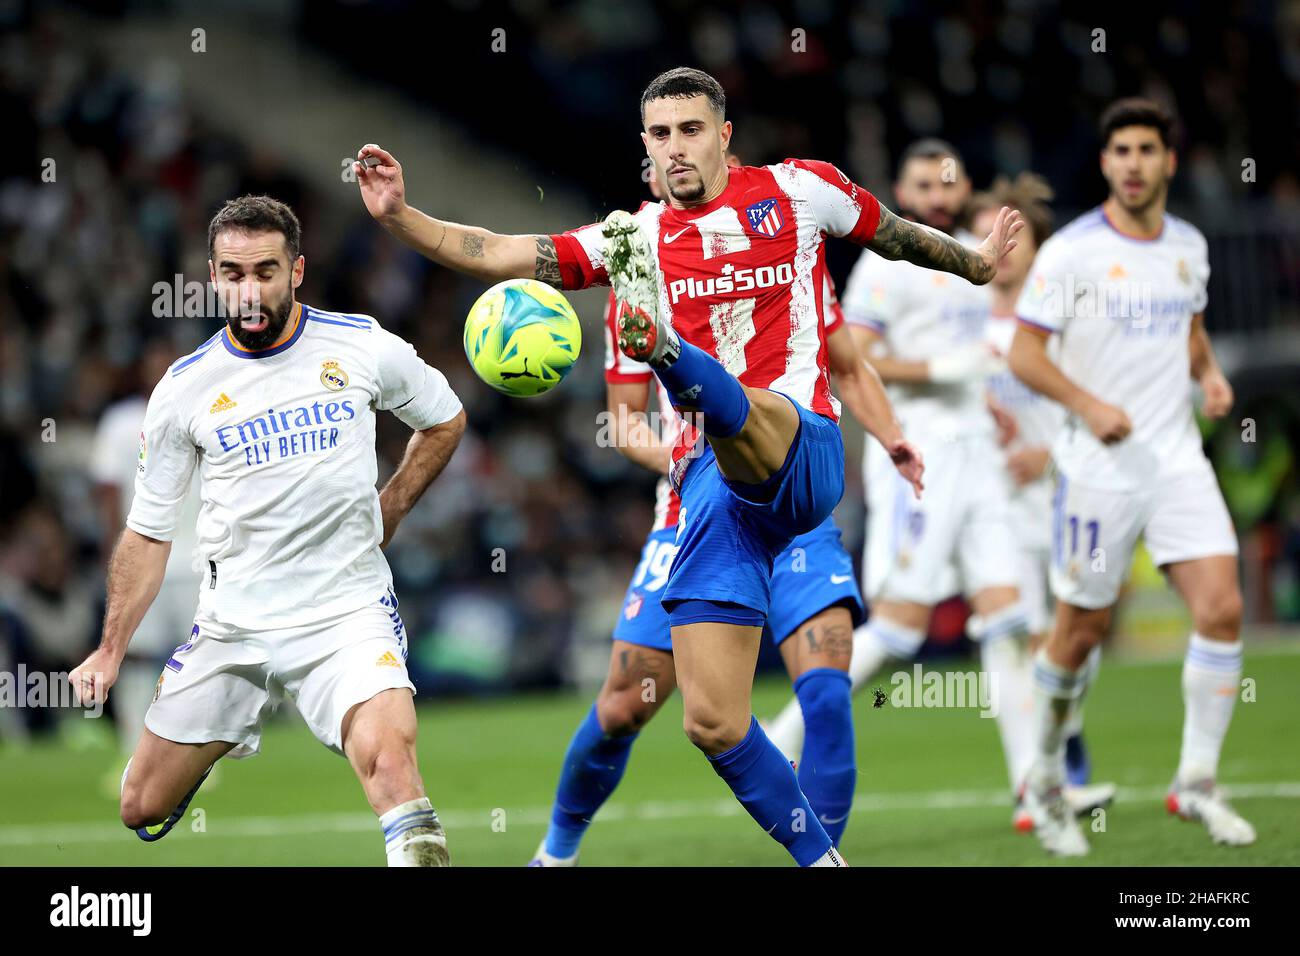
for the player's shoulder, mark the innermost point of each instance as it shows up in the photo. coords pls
(187, 363)
(346, 321)
(1087, 230)
(798, 175)
(1183, 233)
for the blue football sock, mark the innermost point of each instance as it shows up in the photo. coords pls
(697, 380)
(766, 786)
(593, 766)
(1078, 768)
(828, 768)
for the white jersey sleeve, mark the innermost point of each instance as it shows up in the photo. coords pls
(840, 206)
(167, 458)
(1200, 270)
(1042, 301)
(418, 394)
(874, 293)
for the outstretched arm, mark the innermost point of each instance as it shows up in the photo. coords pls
(864, 395)
(898, 238)
(135, 575)
(427, 454)
(476, 252)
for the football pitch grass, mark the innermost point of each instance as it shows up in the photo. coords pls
(931, 789)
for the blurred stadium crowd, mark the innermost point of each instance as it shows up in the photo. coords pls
(138, 172)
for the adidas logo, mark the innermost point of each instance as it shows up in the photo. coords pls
(223, 403)
(388, 659)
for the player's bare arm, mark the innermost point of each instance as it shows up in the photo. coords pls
(427, 454)
(898, 238)
(135, 575)
(864, 395)
(633, 436)
(476, 252)
(1205, 369)
(1029, 361)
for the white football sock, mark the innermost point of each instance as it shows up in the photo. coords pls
(1211, 683)
(830, 858)
(876, 642)
(787, 730)
(1091, 667)
(413, 836)
(1055, 690)
(1004, 657)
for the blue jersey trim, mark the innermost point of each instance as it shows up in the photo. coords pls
(184, 363)
(265, 353)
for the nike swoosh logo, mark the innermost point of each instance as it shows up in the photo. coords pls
(668, 238)
(825, 819)
(840, 578)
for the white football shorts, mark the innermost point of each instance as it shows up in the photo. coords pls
(225, 682)
(956, 539)
(1094, 532)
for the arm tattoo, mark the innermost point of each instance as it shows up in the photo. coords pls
(471, 246)
(548, 263)
(898, 238)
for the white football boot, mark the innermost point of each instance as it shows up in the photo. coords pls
(1202, 800)
(1053, 822)
(634, 277)
(542, 858)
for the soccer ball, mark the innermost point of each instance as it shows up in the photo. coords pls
(522, 337)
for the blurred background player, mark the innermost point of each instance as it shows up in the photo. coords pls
(276, 412)
(772, 466)
(169, 619)
(924, 332)
(814, 593)
(1028, 424)
(1125, 288)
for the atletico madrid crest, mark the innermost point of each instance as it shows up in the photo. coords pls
(765, 217)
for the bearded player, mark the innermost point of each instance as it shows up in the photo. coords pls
(277, 413)
(1124, 286)
(815, 606)
(720, 286)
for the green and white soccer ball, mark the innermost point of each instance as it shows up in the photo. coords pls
(522, 337)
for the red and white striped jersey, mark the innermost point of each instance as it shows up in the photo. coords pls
(742, 276)
(672, 427)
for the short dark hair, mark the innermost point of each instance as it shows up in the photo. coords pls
(1028, 192)
(1136, 111)
(683, 82)
(930, 147)
(257, 214)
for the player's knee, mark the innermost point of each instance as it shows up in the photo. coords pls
(712, 731)
(140, 809)
(1218, 615)
(623, 712)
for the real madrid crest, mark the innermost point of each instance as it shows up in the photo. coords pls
(1184, 276)
(333, 377)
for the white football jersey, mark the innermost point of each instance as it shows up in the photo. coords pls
(1123, 307)
(1039, 418)
(113, 462)
(284, 442)
(919, 314)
